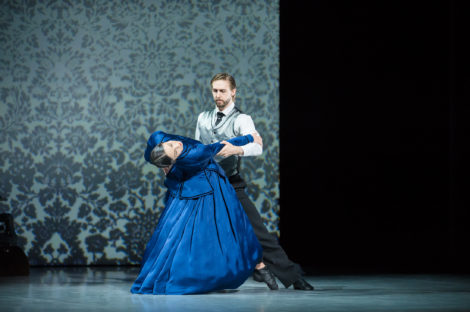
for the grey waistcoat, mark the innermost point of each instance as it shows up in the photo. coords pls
(210, 133)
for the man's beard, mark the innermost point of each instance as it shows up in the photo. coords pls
(224, 104)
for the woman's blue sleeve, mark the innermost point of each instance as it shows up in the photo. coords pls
(200, 153)
(237, 141)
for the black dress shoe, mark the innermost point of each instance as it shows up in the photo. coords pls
(264, 275)
(302, 284)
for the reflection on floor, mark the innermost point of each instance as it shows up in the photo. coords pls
(107, 289)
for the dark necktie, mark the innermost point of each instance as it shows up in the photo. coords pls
(220, 115)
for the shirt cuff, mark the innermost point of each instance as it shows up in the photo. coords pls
(252, 149)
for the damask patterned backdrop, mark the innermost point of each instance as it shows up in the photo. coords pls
(84, 83)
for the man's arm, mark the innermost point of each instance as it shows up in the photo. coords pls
(244, 125)
(235, 142)
(229, 149)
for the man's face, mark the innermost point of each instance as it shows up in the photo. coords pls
(222, 93)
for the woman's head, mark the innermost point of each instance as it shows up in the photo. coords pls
(165, 154)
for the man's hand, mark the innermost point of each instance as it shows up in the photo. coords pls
(229, 150)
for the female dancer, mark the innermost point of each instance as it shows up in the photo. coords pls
(203, 241)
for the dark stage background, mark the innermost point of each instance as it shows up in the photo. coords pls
(374, 172)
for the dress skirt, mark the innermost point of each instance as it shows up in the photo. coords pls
(200, 245)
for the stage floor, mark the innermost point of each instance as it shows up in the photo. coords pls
(107, 289)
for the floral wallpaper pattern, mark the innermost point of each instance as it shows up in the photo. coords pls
(82, 86)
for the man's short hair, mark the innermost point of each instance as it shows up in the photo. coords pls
(226, 77)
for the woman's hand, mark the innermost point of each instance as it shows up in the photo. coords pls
(167, 169)
(257, 138)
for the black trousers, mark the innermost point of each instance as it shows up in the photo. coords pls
(274, 257)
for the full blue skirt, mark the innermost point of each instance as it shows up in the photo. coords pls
(200, 245)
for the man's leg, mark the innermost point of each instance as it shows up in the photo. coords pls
(274, 256)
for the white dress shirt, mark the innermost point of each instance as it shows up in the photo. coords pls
(244, 125)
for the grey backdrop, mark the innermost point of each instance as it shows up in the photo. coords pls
(82, 86)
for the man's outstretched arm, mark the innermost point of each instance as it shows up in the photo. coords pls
(230, 149)
(244, 125)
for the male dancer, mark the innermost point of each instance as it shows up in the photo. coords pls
(222, 123)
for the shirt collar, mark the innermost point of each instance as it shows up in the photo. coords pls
(228, 109)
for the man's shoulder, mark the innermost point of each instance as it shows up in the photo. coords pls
(243, 116)
(240, 113)
(205, 113)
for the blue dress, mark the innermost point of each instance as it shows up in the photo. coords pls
(203, 241)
